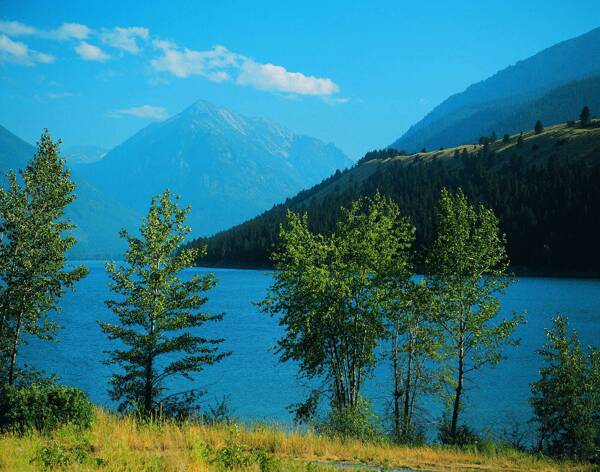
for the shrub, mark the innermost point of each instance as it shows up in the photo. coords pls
(235, 455)
(53, 454)
(43, 407)
(357, 421)
(464, 435)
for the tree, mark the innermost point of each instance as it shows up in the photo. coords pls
(585, 117)
(506, 139)
(467, 268)
(158, 314)
(415, 339)
(520, 139)
(34, 238)
(330, 290)
(566, 398)
(538, 127)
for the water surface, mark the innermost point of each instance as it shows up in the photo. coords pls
(260, 388)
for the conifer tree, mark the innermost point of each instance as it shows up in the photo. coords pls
(585, 117)
(538, 127)
(34, 239)
(159, 315)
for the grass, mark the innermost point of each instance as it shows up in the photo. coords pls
(120, 443)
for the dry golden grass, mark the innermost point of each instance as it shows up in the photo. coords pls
(121, 444)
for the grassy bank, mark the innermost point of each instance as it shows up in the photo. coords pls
(122, 444)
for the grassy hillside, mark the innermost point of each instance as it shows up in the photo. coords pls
(123, 444)
(544, 188)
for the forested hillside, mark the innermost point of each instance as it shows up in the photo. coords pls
(544, 187)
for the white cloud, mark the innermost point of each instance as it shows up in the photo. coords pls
(277, 78)
(144, 111)
(89, 52)
(125, 39)
(16, 28)
(15, 51)
(219, 64)
(186, 62)
(68, 31)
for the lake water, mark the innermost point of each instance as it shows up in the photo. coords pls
(260, 388)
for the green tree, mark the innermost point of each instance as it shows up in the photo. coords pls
(538, 127)
(329, 291)
(34, 237)
(468, 266)
(158, 314)
(415, 339)
(566, 398)
(585, 117)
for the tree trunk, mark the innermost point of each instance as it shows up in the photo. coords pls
(407, 387)
(13, 355)
(149, 373)
(459, 387)
(397, 390)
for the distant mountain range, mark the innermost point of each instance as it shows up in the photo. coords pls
(551, 85)
(227, 166)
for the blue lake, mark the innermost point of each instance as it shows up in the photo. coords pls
(260, 387)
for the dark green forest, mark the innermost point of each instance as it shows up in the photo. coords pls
(544, 188)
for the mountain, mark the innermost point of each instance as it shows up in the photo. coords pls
(84, 154)
(227, 166)
(500, 102)
(14, 152)
(543, 187)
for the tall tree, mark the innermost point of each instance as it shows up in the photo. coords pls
(585, 117)
(158, 314)
(467, 268)
(566, 398)
(34, 237)
(415, 339)
(329, 291)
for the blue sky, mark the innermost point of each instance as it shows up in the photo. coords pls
(354, 73)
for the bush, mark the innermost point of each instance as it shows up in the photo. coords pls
(352, 422)
(463, 436)
(43, 407)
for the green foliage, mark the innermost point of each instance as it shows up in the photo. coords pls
(157, 312)
(462, 436)
(539, 128)
(467, 268)
(330, 290)
(566, 398)
(35, 238)
(55, 454)
(43, 407)
(235, 455)
(357, 422)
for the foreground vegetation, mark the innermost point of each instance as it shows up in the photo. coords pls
(122, 443)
